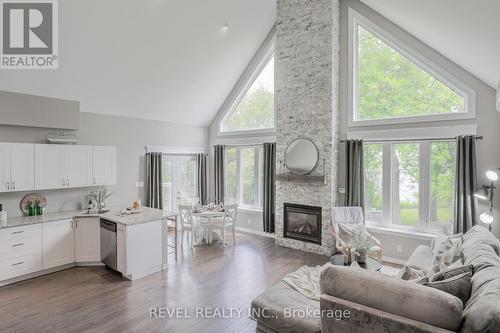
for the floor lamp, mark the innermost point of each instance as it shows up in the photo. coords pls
(487, 193)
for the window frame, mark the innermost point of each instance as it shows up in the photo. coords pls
(239, 180)
(355, 20)
(260, 61)
(424, 223)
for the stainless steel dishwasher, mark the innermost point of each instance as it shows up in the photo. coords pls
(108, 244)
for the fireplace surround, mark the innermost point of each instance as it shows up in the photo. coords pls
(302, 222)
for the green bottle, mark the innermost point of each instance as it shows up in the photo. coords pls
(31, 209)
(38, 208)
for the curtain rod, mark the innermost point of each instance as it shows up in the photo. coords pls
(477, 137)
(242, 145)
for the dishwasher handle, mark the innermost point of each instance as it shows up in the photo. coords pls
(108, 225)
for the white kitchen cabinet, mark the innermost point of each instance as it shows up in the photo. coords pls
(87, 240)
(62, 166)
(139, 249)
(103, 165)
(20, 251)
(78, 165)
(16, 167)
(49, 167)
(58, 243)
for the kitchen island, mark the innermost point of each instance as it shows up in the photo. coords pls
(37, 245)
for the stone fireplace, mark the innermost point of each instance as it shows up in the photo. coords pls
(306, 97)
(302, 223)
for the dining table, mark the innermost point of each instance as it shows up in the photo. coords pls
(210, 214)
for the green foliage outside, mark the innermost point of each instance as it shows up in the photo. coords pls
(392, 86)
(255, 111)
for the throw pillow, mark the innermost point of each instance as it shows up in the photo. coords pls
(417, 275)
(447, 249)
(351, 233)
(452, 271)
(459, 286)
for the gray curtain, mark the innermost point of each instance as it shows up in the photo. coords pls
(269, 169)
(201, 161)
(219, 173)
(465, 183)
(354, 182)
(154, 194)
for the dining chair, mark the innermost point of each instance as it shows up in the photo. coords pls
(189, 224)
(227, 221)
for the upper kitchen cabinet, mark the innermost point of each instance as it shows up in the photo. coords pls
(103, 165)
(62, 166)
(16, 167)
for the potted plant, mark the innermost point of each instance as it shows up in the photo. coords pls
(362, 247)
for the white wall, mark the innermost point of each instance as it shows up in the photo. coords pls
(487, 119)
(129, 135)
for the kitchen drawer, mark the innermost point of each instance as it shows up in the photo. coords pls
(19, 233)
(25, 264)
(11, 248)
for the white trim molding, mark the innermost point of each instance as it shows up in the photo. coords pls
(356, 20)
(176, 150)
(498, 97)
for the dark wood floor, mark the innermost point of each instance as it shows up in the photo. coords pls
(93, 299)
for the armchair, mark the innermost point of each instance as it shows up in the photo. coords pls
(352, 222)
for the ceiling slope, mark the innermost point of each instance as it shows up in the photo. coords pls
(155, 59)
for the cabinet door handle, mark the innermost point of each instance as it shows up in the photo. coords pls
(18, 232)
(67, 182)
(7, 185)
(18, 263)
(20, 244)
(64, 182)
(13, 185)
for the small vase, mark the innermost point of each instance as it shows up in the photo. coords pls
(362, 258)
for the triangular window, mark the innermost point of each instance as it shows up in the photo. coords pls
(393, 83)
(255, 109)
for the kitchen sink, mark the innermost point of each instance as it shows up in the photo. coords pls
(102, 211)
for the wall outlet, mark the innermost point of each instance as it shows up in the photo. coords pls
(342, 190)
(399, 248)
(139, 184)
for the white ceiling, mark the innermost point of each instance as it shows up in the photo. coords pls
(155, 59)
(467, 32)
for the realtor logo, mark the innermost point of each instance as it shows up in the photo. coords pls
(29, 36)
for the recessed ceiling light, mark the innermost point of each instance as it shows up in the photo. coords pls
(225, 27)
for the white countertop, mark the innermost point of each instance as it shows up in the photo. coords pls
(114, 215)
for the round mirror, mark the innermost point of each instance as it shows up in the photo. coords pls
(301, 156)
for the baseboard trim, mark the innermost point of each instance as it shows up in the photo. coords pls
(36, 274)
(392, 260)
(255, 232)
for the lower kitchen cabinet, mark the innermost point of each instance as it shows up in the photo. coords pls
(87, 240)
(58, 243)
(20, 251)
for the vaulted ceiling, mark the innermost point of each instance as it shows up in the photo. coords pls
(467, 32)
(155, 59)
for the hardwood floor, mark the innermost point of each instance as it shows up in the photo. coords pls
(94, 299)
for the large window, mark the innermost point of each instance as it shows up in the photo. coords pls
(410, 184)
(391, 83)
(244, 176)
(254, 110)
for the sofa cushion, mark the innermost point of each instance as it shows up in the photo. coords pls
(272, 307)
(421, 257)
(452, 271)
(392, 295)
(482, 311)
(458, 285)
